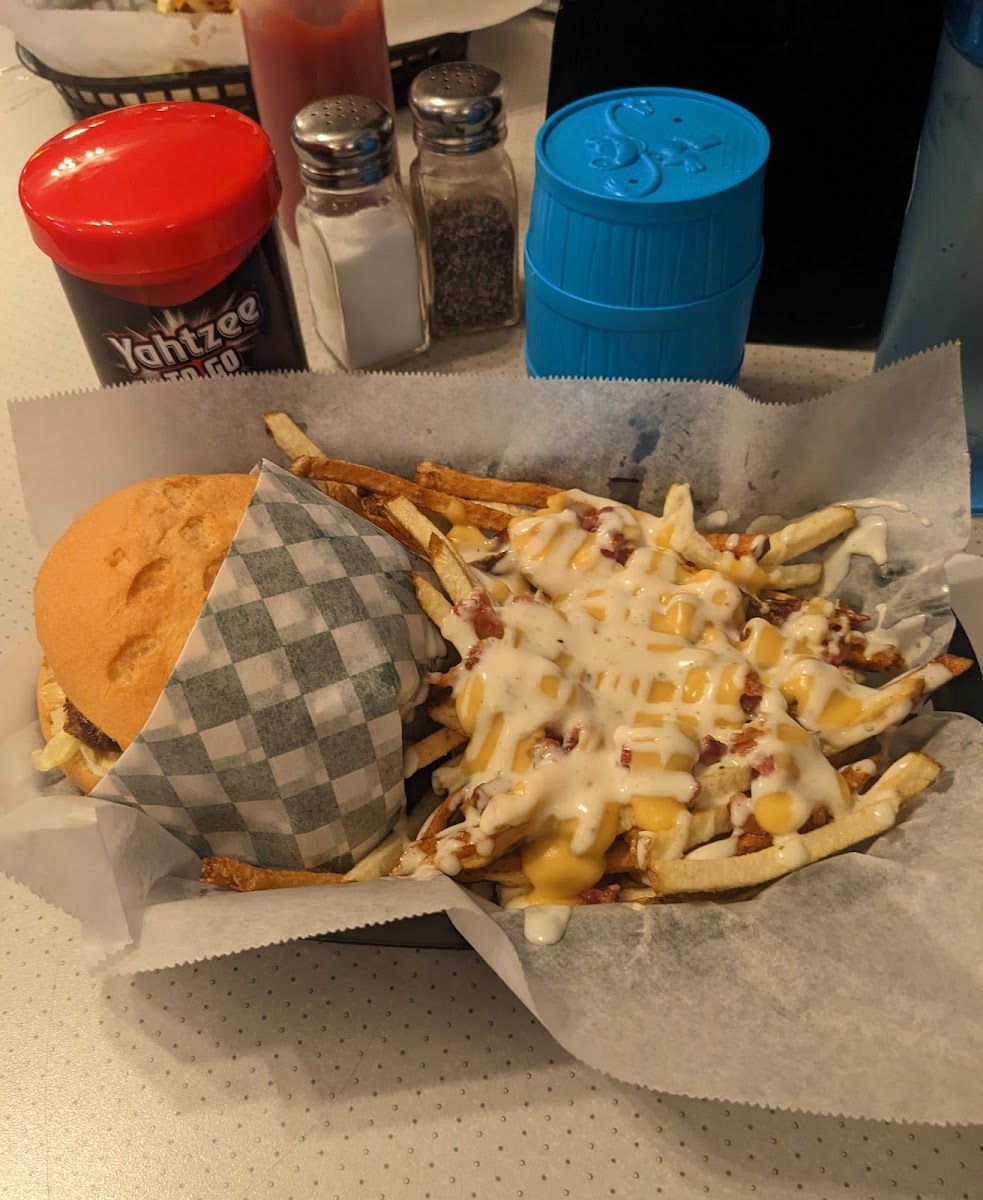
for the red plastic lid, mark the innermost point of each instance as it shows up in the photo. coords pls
(151, 193)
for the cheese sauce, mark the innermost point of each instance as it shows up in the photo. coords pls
(629, 693)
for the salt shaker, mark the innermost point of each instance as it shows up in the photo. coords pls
(464, 195)
(357, 235)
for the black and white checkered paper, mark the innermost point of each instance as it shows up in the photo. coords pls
(278, 738)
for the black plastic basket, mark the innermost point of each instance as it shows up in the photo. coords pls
(230, 86)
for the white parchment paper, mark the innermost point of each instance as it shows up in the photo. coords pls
(849, 987)
(112, 38)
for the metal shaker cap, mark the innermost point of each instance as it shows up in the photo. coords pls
(344, 143)
(458, 108)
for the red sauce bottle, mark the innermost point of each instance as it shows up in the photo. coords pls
(305, 50)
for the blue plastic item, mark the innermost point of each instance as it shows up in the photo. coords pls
(648, 196)
(644, 243)
(569, 336)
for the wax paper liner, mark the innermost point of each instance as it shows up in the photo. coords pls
(849, 987)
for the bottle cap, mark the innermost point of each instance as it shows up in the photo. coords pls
(458, 108)
(152, 193)
(344, 143)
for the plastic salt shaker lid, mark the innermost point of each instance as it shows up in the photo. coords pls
(649, 155)
(152, 193)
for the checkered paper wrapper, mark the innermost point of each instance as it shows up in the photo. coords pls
(278, 738)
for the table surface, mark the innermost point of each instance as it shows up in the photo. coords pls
(325, 1070)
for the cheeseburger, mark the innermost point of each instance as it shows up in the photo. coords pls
(114, 603)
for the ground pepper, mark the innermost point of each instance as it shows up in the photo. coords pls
(472, 250)
(463, 188)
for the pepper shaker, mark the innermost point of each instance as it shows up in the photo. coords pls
(357, 235)
(464, 195)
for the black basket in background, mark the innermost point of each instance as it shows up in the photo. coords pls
(230, 86)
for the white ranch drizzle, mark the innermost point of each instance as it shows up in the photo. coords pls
(868, 538)
(545, 924)
(609, 680)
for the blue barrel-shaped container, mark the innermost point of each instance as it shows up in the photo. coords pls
(644, 242)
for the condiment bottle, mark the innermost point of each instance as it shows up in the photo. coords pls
(160, 220)
(937, 289)
(302, 50)
(357, 235)
(464, 195)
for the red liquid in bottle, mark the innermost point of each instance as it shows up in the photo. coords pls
(305, 50)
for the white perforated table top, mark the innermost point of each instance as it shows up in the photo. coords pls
(342, 1071)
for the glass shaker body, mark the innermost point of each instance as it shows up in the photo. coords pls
(304, 50)
(467, 209)
(937, 287)
(358, 239)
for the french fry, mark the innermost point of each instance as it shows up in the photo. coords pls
(420, 814)
(296, 444)
(901, 782)
(721, 779)
(430, 750)
(289, 436)
(374, 510)
(341, 493)
(738, 544)
(377, 862)
(407, 516)
(506, 870)
(894, 701)
(243, 877)
(475, 487)
(436, 606)
(858, 774)
(796, 575)
(460, 512)
(806, 534)
(452, 571)
(444, 712)
(637, 893)
(647, 848)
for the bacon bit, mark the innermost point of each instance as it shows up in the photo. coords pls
(763, 765)
(617, 548)
(753, 691)
(545, 748)
(777, 609)
(473, 655)
(852, 651)
(819, 817)
(588, 517)
(608, 894)
(477, 610)
(753, 837)
(527, 598)
(745, 741)
(488, 562)
(834, 652)
(571, 741)
(626, 756)
(711, 750)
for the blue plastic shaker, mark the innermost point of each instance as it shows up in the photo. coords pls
(647, 204)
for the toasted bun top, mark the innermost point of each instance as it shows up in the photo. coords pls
(120, 591)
